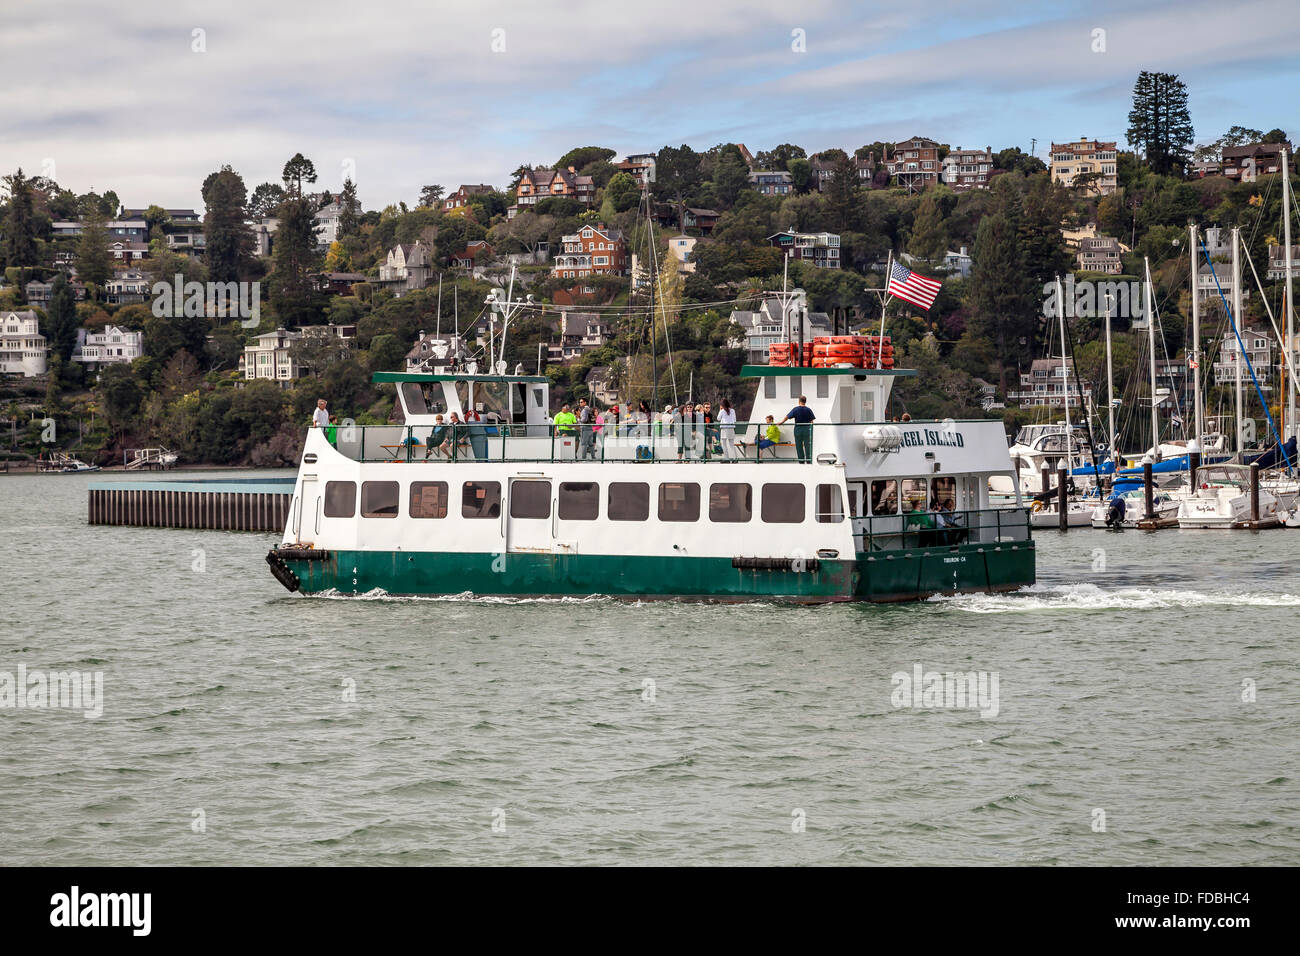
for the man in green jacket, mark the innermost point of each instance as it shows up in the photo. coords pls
(566, 422)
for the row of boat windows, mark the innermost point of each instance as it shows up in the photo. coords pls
(779, 502)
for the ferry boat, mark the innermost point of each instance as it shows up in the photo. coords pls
(515, 505)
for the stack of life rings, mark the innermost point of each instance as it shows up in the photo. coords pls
(829, 351)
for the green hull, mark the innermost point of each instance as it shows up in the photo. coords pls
(903, 575)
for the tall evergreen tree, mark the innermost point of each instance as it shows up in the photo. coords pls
(61, 319)
(349, 209)
(1045, 206)
(230, 243)
(730, 175)
(298, 170)
(1159, 123)
(1003, 300)
(19, 225)
(295, 257)
(265, 199)
(94, 262)
(842, 193)
(929, 238)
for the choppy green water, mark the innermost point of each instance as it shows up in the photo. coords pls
(1121, 679)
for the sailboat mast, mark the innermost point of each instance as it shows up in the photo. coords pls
(1065, 370)
(1110, 388)
(654, 351)
(1290, 424)
(1240, 336)
(1151, 343)
(1194, 360)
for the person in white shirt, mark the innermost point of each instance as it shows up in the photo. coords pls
(320, 417)
(727, 419)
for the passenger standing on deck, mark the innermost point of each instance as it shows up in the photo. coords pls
(803, 418)
(586, 434)
(564, 421)
(477, 433)
(643, 420)
(727, 430)
(321, 416)
(685, 430)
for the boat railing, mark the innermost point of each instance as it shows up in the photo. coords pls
(626, 441)
(937, 529)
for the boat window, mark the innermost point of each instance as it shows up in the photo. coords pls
(884, 497)
(943, 491)
(823, 386)
(413, 396)
(731, 502)
(783, 503)
(912, 495)
(679, 501)
(462, 395)
(480, 499)
(379, 499)
(428, 499)
(530, 499)
(340, 499)
(629, 501)
(830, 507)
(769, 387)
(579, 500)
(492, 400)
(796, 386)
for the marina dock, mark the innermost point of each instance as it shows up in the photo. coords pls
(215, 504)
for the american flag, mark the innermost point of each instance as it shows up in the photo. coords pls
(916, 289)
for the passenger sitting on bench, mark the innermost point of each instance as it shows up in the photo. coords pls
(436, 437)
(771, 436)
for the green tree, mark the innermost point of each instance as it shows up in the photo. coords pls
(800, 171)
(387, 353)
(19, 247)
(349, 210)
(731, 175)
(429, 195)
(1159, 123)
(842, 193)
(623, 192)
(229, 240)
(1002, 297)
(94, 262)
(677, 174)
(929, 238)
(295, 257)
(583, 156)
(298, 170)
(265, 200)
(61, 319)
(1043, 248)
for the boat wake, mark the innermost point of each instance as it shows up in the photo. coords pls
(1091, 597)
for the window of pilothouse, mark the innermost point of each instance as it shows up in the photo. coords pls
(579, 500)
(783, 503)
(679, 501)
(629, 501)
(379, 499)
(830, 507)
(428, 499)
(340, 499)
(480, 499)
(884, 497)
(730, 502)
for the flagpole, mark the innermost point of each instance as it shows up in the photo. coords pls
(884, 301)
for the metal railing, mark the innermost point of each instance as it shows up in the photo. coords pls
(626, 441)
(937, 529)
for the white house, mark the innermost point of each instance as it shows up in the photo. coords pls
(682, 246)
(270, 357)
(114, 344)
(327, 224)
(764, 327)
(22, 347)
(129, 287)
(407, 266)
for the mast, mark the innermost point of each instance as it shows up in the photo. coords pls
(1151, 342)
(1110, 389)
(438, 327)
(654, 352)
(1241, 338)
(1194, 360)
(1290, 424)
(1065, 369)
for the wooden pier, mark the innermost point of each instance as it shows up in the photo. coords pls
(214, 504)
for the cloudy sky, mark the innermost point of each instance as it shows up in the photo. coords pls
(148, 97)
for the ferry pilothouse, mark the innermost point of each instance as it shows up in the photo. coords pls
(509, 505)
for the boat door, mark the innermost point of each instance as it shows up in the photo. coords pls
(306, 515)
(528, 515)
